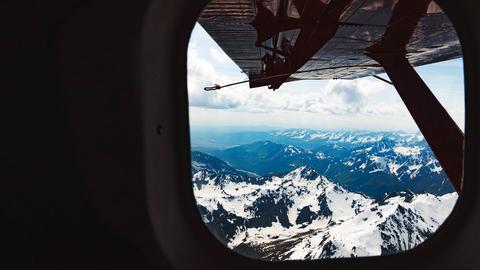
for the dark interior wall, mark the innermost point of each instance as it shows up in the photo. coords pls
(71, 185)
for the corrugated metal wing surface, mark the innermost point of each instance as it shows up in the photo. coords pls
(343, 56)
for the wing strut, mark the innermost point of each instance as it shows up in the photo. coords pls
(440, 131)
(436, 125)
(382, 79)
(253, 80)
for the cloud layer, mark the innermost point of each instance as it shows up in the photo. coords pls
(339, 97)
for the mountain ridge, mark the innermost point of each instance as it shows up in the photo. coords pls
(303, 215)
(374, 165)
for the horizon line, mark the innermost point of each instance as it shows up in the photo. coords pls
(276, 128)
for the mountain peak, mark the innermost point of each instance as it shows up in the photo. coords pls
(291, 150)
(205, 162)
(306, 172)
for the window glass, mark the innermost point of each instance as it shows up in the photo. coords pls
(321, 167)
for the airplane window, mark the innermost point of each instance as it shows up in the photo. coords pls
(325, 129)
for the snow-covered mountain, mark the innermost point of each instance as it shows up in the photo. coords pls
(304, 215)
(404, 165)
(305, 138)
(350, 137)
(203, 162)
(370, 163)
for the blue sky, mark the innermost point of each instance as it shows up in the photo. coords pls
(361, 104)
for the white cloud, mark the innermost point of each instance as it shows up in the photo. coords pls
(338, 97)
(218, 55)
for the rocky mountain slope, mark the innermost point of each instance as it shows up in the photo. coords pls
(371, 163)
(303, 215)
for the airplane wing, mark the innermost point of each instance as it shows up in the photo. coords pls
(360, 25)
